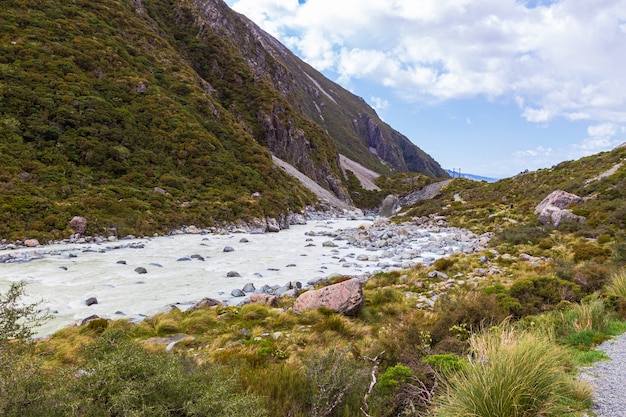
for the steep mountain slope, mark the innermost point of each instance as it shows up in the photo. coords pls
(356, 128)
(146, 115)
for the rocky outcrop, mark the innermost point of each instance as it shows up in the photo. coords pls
(345, 297)
(389, 206)
(553, 209)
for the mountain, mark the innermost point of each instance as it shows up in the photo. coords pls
(144, 115)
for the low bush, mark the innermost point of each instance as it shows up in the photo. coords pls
(539, 294)
(590, 275)
(586, 251)
(522, 234)
(473, 310)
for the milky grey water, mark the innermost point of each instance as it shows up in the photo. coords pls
(67, 275)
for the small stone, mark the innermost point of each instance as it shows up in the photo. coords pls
(233, 274)
(229, 249)
(91, 301)
(141, 270)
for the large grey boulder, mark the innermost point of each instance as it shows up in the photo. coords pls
(389, 206)
(553, 209)
(345, 297)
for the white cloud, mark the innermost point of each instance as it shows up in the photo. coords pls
(379, 104)
(538, 152)
(558, 59)
(604, 130)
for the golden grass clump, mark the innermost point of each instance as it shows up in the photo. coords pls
(513, 374)
(617, 284)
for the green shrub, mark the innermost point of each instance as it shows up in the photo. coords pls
(392, 378)
(443, 264)
(590, 275)
(522, 234)
(587, 251)
(445, 363)
(539, 294)
(121, 378)
(473, 310)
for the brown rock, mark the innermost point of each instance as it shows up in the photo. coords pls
(345, 297)
(204, 303)
(31, 243)
(79, 224)
(268, 299)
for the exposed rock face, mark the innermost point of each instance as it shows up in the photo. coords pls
(345, 297)
(553, 209)
(343, 120)
(389, 206)
(79, 224)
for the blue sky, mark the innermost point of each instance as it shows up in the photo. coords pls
(492, 87)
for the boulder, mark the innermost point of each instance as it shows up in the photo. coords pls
(553, 209)
(204, 303)
(229, 249)
(31, 243)
(237, 293)
(141, 270)
(233, 274)
(91, 301)
(345, 297)
(79, 224)
(272, 225)
(193, 230)
(389, 206)
(249, 287)
(268, 299)
(560, 199)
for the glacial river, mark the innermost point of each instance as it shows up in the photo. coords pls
(184, 268)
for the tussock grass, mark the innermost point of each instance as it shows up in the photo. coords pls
(513, 374)
(617, 284)
(588, 315)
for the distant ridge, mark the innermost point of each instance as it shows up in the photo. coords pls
(456, 174)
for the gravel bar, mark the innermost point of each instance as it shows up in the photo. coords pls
(608, 379)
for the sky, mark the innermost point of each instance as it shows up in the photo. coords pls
(488, 87)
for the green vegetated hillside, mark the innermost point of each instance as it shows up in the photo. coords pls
(101, 102)
(510, 203)
(496, 333)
